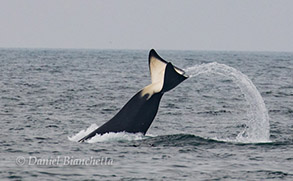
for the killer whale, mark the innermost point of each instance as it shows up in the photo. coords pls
(138, 113)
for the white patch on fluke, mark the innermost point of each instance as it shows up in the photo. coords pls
(151, 89)
(157, 69)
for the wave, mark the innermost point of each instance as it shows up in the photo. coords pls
(124, 136)
(179, 140)
(167, 140)
(242, 140)
(174, 139)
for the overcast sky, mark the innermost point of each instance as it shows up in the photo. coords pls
(245, 25)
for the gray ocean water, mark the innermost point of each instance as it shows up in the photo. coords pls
(48, 96)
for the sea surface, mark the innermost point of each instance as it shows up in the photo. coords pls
(49, 97)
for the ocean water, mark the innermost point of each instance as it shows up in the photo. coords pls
(231, 120)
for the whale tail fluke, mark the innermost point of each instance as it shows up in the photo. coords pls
(139, 112)
(164, 72)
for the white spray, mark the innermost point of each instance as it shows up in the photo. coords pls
(257, 128)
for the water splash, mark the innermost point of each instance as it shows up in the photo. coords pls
(114, 137)
(257, 128)
(83, 133)
(108, 137)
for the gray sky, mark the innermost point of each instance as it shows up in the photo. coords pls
(254, 25)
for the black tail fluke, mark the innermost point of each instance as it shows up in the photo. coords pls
(173, 77)
(167, 75)
(139, 112)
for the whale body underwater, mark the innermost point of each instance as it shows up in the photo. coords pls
(137, 115)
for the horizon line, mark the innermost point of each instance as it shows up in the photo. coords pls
(145, 49)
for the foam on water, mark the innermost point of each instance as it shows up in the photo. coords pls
(121, 136)
(257, 128)
(108, 137)
(83, 133)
